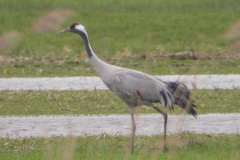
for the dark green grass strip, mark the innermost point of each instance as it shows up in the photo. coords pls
(181, 146)
(104, 102)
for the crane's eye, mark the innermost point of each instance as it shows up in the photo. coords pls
(73, 25)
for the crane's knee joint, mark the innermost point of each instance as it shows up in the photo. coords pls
(165, 115)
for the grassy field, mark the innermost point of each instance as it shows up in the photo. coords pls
(117, 26)
(117, 29)
(182, 146)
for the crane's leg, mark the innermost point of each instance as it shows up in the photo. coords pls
(131, 109)
(133, 132)
(165, 116)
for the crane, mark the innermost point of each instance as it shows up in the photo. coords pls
(137, 88)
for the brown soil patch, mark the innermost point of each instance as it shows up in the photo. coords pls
(183, 56)
(236, 47)
(179, 56)
(7, 39)
(51, 21)
(233, 32)
(25, 59)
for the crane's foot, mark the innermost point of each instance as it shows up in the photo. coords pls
(131, 151)
(165, 149)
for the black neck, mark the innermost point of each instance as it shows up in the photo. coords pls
(87, 45)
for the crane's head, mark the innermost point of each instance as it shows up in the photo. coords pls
(75, 28)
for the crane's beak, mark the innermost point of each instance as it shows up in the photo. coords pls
(65, 30)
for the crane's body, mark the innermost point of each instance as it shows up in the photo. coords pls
(137, 88)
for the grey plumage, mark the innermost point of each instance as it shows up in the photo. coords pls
(137, 88)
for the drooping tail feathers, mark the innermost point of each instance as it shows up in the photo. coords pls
(182, 97)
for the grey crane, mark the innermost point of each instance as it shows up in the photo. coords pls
(137, 88)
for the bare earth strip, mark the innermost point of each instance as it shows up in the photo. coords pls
(15, 127)
(92, 83)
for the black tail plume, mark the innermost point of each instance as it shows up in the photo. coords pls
(182, 98)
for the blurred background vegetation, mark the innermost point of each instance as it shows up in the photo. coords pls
(127, 33)
(117, 28)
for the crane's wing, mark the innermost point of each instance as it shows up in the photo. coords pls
(137, 85)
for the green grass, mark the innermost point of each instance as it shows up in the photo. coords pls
(182, 146)
(71, 68)
(117, 26)
(104, 102)
(117, 29)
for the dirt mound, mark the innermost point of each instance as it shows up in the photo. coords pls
(51, 21)
(233, 32)
(236, 47)
(7, 39)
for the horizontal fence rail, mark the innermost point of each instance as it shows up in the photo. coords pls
(95, 83)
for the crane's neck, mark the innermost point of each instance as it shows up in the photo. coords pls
(98, 64)
(87, 46)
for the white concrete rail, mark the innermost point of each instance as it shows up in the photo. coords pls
(91, 83)
(152, 124)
